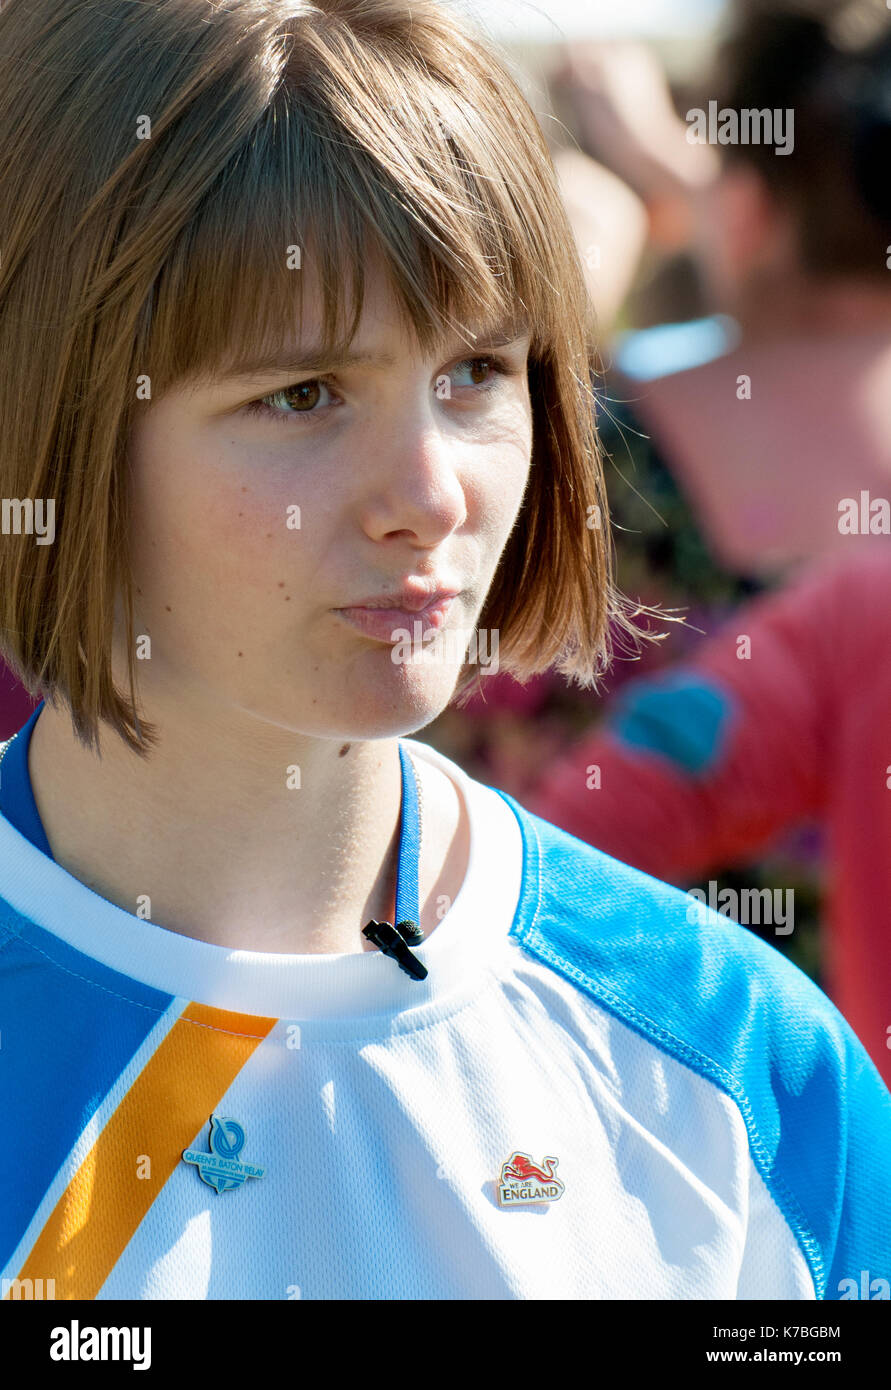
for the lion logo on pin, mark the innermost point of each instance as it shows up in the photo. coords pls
(523, 1181)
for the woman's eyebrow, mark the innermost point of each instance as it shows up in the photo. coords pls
(313, 359)
(317, 359)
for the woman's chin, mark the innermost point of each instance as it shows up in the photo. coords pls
(384, 704)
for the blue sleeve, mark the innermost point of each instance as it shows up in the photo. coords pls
(733, 1008)
(858, 1238)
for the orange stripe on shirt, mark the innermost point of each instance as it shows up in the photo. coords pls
(163, 1113)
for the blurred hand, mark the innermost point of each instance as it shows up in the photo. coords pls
(609, 223)
(619, 95)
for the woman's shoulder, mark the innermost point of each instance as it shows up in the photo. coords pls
(732, 1009)
(694, 981)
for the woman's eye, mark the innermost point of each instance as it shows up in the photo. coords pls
(483, 371)
(306, 398)
(301, 399)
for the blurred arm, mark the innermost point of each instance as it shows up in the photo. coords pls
(707, 762)
(610, 226)
(618, 98)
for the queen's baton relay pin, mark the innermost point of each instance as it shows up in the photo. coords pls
(220, 1168)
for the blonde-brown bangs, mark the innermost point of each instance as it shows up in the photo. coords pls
(324, 186)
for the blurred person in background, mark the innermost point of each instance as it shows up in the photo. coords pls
(781, 443)
(770, 411)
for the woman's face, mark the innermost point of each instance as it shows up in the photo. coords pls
(405, 470)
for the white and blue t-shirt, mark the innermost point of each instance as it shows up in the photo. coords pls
(589, 1097)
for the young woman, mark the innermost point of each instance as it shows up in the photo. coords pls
(293, 350)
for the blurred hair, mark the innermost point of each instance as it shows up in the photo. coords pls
(830, 63)
(347, 128)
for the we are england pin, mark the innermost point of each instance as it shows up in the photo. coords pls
(524, 1182)
(220, 1168)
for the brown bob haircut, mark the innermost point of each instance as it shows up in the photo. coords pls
(157, 160)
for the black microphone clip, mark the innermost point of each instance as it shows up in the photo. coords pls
(392, 941)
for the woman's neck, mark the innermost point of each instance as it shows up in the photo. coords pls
(216, 836)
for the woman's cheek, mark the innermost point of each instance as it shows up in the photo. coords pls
(244, 538)
(501, 494)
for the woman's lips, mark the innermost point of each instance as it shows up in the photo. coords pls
(386, 624)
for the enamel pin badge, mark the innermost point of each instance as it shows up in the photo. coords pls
(220, 1168)
(523, 1182)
